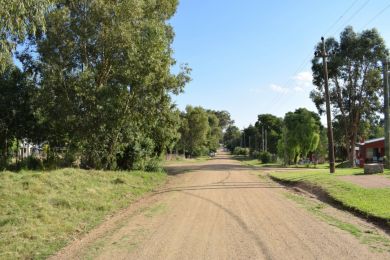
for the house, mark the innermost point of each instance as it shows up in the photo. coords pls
(371, 151)
(27, 149)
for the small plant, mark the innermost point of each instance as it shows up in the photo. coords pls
(265, 157)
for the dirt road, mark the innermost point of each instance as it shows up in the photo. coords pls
(218, 209)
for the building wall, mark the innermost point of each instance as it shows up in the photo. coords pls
(364, 156)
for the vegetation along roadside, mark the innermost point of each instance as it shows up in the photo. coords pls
(43, 211)
(369, 202)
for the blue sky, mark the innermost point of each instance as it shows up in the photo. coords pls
(253, 57)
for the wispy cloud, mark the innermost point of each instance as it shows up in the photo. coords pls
(303, 79)
(298, 89)
(279, 89)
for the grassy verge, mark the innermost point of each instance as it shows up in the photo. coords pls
(187, 160)
(370, 202)
(42, 211)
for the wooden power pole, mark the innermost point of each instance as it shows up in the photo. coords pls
(324, 55)
(386, 111)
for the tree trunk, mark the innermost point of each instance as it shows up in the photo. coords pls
(352, 145)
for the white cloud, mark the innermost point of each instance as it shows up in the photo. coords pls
(298, 89)
(279, 89)
(303, 79)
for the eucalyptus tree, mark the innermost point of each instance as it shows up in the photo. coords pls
(104, 70)
(273, 125)
(354, 81)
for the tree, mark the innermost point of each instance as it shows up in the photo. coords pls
(354, 81)
(215, 132)
(224, 118)
(104, 75)
(19, 19)
(301, 135)
(274, 127)
(17, 120)
(251, 138)
(232, 137)
(194, 130)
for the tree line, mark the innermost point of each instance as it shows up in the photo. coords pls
(95, 83)
(297, 135)
(356, 96)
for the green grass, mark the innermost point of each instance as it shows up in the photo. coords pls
(372, 202)
(245, 160)
(179, 160)
(42, 211)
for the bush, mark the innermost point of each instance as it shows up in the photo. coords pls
(30, 163)
(153, 165)
(241, 151)
(255, 154)
(265, 157)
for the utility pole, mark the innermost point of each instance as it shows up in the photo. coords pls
(385, 64)
(324, 55)
(266, 146)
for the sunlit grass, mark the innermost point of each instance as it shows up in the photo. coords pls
(372, 202)
(40, 212)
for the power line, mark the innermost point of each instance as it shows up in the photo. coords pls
(354, 14)
(282, 96)
(376, 16)
(341, 17)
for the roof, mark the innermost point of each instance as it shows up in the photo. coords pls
(372, 141)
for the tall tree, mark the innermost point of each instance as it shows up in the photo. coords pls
(194, 130)
(273, 125)
(104, 70)
(301, 135)
(224, 118)
(354, 80)
(215, 132)
(19, 20)
(17, 120)
(232, 137)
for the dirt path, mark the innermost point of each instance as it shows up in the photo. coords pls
(217, 209)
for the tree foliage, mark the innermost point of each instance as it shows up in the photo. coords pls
(19, 20)
(102, 78)
(301, 135)
(273, 125)
(200, 131)
(354, 81)
(17, 120)
(232, 137)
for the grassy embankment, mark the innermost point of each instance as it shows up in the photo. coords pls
(40, 212)
(372, 202)
(179, 160)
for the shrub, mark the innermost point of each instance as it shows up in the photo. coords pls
(241, 151)
(255, 154)
(265, 157)
(153, 165)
